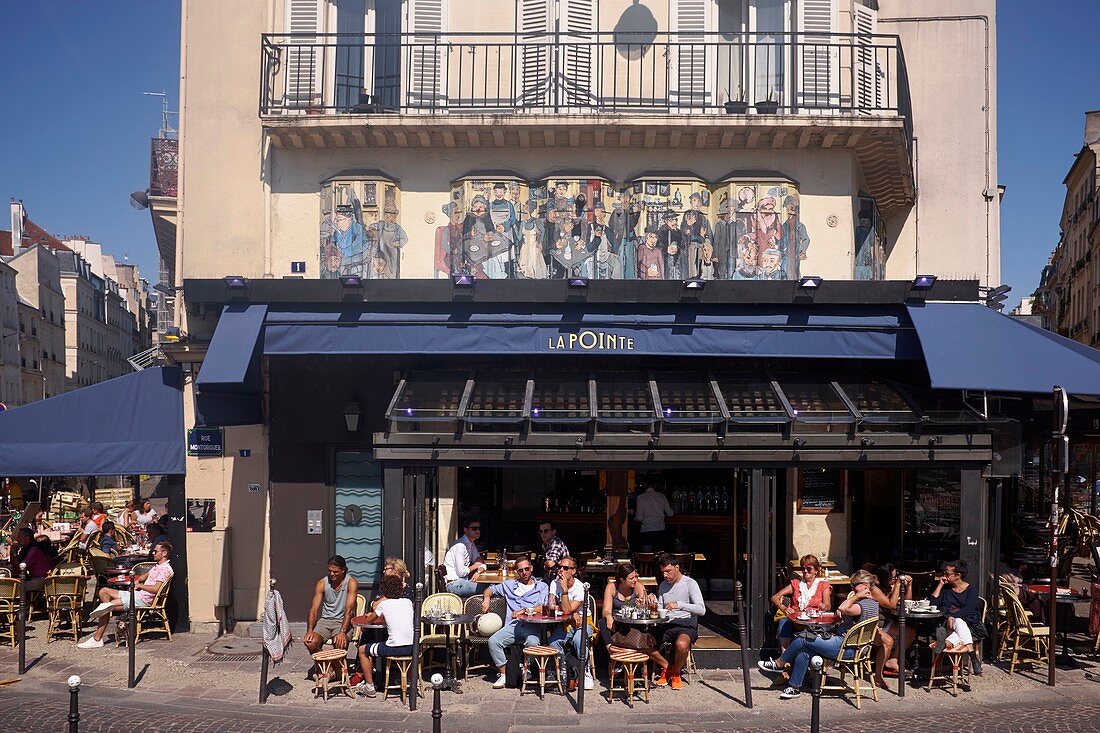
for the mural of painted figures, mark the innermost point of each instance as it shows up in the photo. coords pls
(870, 242)
(483, 233)
(759, 234)
(359, 233)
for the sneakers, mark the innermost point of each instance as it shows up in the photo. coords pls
(90, 643)
(499, 684)
(771, 667)
(366, 689)
(975, 664)
(676, 682)
(789, 693)
(589, 683)
(100, 610)
(662, 679)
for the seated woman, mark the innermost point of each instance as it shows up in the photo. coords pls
(959, 602)
(622, 589)
(888, 596)
(859, 606)
(396, 611)
(810, 592)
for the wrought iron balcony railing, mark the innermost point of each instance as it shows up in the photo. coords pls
(792, 73)
(164, 167)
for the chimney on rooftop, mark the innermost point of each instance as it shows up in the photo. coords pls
(1092, 127)
(17, 215)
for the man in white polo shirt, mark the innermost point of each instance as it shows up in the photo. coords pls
(463, 561)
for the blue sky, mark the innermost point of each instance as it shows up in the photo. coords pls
(75, 127)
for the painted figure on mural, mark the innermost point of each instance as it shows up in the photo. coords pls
(794, 241)
(746, 198)
(701, 228)
(704, 264)
(651, 260)
(695, 233)
(771, 265)
(450, 255)
(624, 232)
(670, 240)
(605, 264)
(725, 242)
(349, 243)
(747, 258)
(387, 238)
(766, 225)
(570, 251)
(482, 240)
(503, 214)
(532, 251)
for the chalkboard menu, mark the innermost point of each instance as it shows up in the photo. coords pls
(821, 491)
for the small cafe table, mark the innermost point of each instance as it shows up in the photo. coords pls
(1064, 599)
(449, 681)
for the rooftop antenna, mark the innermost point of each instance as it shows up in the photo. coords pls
(166, 130)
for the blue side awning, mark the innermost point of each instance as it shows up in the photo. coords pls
(129, 425)
(229, 387)
(969, 346)
(837, 332)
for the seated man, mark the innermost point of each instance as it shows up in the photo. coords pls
(332, 608)
(553, 550)
(107, 541)
(680, 595)
(395, 610)
(38, 562)
(463, 561)
(568, 594)
(523, 595)
(90, 528)
(146, 587)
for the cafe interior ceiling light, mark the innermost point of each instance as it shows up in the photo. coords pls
(463, 281)
(810, 282)
(353, 412)
(924, 282)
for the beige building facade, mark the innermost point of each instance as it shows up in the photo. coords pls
(11, 383)
(1067, 295)
(426, 158)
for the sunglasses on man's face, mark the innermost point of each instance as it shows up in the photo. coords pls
(809, 570)
(524, 569)
(568, 567)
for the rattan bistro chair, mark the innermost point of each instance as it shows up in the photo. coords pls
(472, 641)
(854, 657)
(9, 608)
(154, 617)
(1027, 643)
(64, 598)
(434, 638)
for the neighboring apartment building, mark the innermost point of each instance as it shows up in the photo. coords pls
(11, 384)
(1067, 295)
(85, 322)
(31, 366)
(624, 140)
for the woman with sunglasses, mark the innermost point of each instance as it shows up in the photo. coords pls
(626, 588)
(810, 592)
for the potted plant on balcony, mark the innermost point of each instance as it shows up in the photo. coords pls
(736, 106)
(768, 106)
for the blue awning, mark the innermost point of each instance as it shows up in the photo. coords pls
(128, 425)
(799, 331)
(229, 387)
(231, 363)
(969, 346)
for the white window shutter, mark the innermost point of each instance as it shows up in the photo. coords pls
(818, 54)
(689, 53)
(868, 71)
(303, 82)
(427, 22)
(578, 22)
(533, 26)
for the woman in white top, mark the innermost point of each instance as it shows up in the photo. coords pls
(394, 610)
(146, 514)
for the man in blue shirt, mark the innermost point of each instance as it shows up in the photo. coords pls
(525, 595)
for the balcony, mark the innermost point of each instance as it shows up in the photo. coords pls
(663, 90)
(163, 190)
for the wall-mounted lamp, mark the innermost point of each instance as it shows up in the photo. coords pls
(694, 284)
(352, 414)
(578, 282)
(509, 440)
(924, 282)
(238, 286)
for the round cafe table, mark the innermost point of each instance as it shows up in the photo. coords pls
(449, 681)
(1064, 599)
(642, 623)
(825, 618)
(923, 622)
(543, 621)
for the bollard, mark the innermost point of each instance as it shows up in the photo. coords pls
(22, 618)
(901, 637)
(743, 634)
(131, 624)
(74, 704)
(815, 706)
(437, 707)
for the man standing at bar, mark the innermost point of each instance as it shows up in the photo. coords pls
(651, 508)
(553, 550)
(525, 595)
(680, 595)
(463, 561)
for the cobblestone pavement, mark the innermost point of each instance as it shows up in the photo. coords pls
(181, 689)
